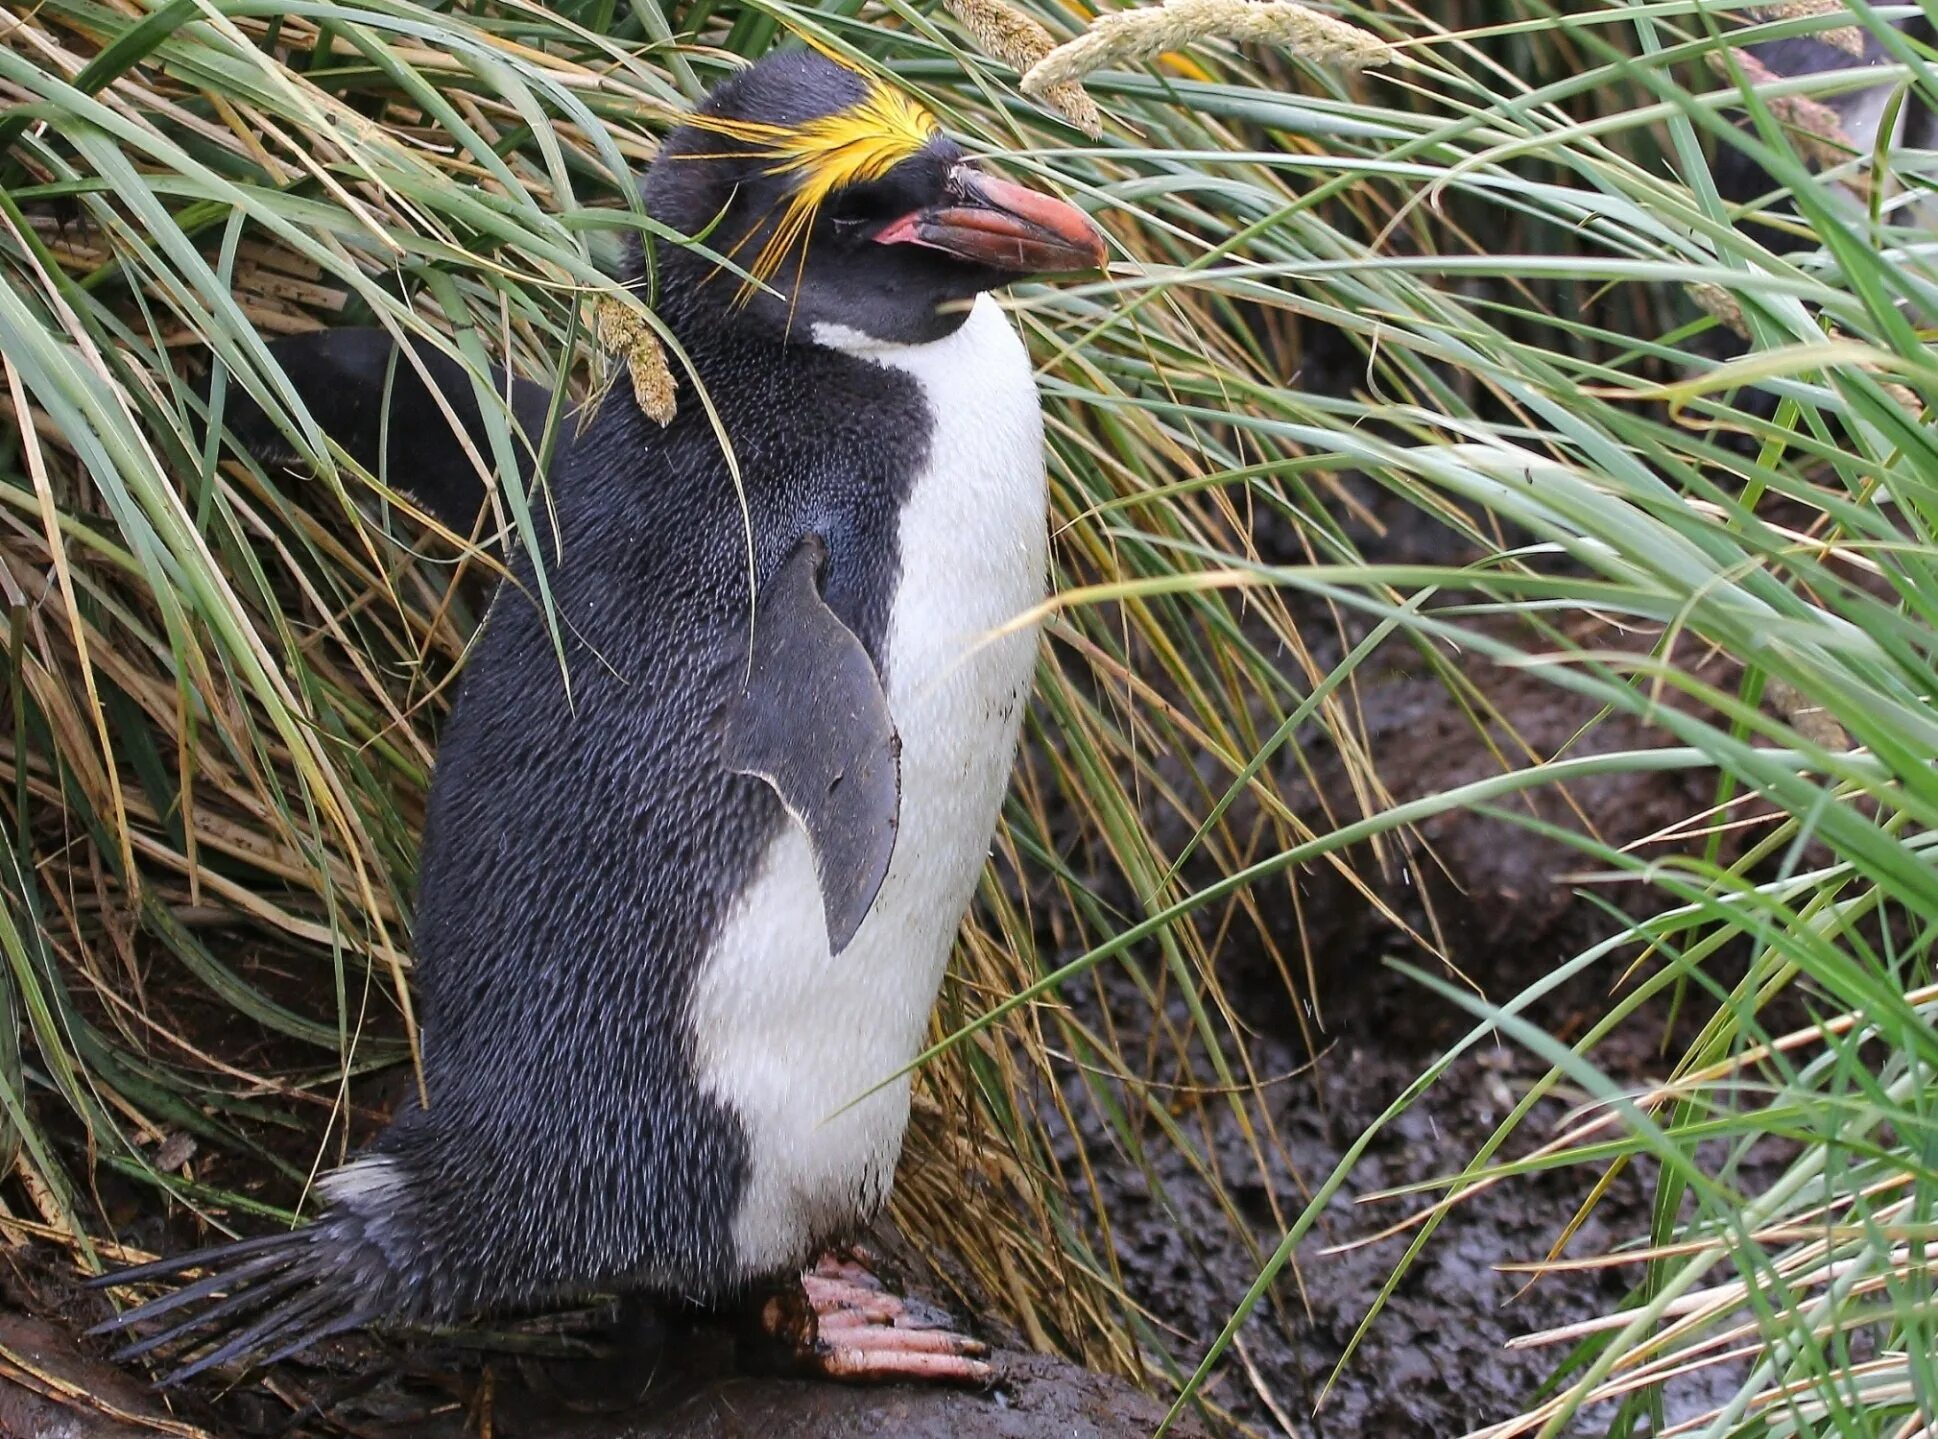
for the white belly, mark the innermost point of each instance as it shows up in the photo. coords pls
(788, 1035)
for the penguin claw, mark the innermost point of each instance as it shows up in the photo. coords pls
(877, 1366)
(858, 1332)
(860, 1317)
(887, 1339)
(853, 1265)
(841, 1301)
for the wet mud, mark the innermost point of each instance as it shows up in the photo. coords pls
(50, 1389)
(1505, 905)
(1480, 902)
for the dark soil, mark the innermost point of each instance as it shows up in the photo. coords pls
(1039, 1398)
(49, 1390)
(1504, 905)
(1434, 1362)
(42, 1373)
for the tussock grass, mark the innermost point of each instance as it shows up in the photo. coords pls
(225, 682)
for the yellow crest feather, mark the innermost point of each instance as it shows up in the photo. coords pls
(850, 147)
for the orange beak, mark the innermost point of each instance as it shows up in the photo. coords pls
(1005, 226)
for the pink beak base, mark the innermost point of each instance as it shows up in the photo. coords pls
(1005, 226)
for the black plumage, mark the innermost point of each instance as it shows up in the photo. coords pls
(379, 406)
(1741, 181)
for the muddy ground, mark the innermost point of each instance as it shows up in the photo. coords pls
(51, 1389)
(1434, 1363)
(1505, 905)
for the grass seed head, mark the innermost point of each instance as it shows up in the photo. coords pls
(1129, 36)
(1812, 721)
(624, 331)
(1018, 40)
(1848, 38)
(1817, 129)
(1901, 395)
(1717, 303)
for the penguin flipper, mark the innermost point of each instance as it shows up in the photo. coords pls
(344, 377)
(812, 721)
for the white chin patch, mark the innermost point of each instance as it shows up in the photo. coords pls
(850, 341)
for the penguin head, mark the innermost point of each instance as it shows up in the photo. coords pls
(847, 205)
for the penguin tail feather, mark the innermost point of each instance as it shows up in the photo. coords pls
(260, 1301)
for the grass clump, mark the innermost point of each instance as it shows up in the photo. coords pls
(1488, 287)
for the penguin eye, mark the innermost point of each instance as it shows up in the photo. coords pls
(859, 207)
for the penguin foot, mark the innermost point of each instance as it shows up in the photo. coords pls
(841, 1323)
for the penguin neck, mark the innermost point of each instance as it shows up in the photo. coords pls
(897, 354)
(759, 360)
